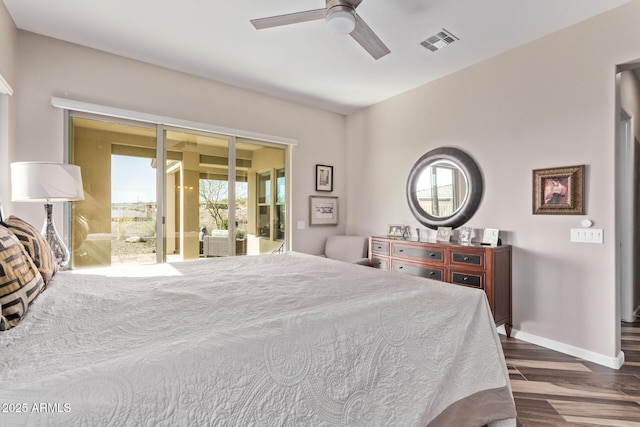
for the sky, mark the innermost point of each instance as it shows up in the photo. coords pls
(132, 180)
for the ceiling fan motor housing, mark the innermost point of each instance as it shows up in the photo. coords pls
(340, 17)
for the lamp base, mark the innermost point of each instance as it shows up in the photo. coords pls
(59, 249)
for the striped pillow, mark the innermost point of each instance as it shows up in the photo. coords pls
(20, 280)
(36, 245)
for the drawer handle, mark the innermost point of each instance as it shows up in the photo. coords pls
(400, 250)
(400, 267)
(465, 278)
(379, 247)
(432, 254)
(465, 258)
(432, 273)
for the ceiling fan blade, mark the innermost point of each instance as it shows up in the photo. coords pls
(290, 18)
(368, 39)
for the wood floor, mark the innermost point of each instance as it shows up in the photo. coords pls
(553, 389)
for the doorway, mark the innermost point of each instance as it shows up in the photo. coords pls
(627, 193)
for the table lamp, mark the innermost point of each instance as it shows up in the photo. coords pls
(47, 182)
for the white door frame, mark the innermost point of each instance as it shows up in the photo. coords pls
(626, 220)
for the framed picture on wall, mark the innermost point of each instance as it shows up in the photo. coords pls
(324, 178)
(323, 210)
(559, 191)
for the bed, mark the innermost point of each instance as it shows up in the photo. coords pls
(272, 340)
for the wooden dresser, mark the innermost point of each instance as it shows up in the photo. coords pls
(483, 267)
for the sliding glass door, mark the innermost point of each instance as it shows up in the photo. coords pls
(199, 194)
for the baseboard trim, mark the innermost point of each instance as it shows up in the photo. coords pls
(591, 356)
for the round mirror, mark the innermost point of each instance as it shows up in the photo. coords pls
(444, 188)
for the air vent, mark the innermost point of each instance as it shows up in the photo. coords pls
(438, 41)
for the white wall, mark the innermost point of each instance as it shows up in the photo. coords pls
(550, 103)
(49, 67)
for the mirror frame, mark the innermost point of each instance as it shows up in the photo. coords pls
(475, 187)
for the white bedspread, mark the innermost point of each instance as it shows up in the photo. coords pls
(274, 340)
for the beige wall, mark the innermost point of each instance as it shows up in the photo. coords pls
(8, 40)
(550, 103)
(48, 67)
(8, 43)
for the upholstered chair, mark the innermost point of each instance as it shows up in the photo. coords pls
(347, 248)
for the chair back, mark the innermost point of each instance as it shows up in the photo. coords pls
(346, 248)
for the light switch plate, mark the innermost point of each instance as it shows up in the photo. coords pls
(587, 235)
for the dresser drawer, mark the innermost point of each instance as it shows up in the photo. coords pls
(378, 247)
(381, 263)
(468, 258)
(422, 253)
(417, 270)
(475, 280)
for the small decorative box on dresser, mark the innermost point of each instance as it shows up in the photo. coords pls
(483, 267)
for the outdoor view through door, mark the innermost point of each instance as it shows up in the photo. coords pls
(211, 206)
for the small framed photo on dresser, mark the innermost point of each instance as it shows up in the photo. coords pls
(490, 236)
(395, 230)
(443, 234)
(464, 235)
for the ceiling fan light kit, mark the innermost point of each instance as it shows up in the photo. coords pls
(340, 20)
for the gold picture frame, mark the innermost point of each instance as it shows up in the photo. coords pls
(559, 191)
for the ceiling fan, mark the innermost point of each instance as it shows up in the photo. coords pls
(341, 18)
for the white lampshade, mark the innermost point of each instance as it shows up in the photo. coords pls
(340, 21)
(45, 182)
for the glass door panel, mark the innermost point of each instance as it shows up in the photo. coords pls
(115, 223)
(281, 204)
(264, 167)
(197, 195)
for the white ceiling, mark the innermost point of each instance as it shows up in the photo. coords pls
(303, 62)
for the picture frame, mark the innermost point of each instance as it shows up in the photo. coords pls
(491, 236)
(323, 210)
(324, 178)
(559, 191)
(443, 234)
(395, 230)
(464, 235)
